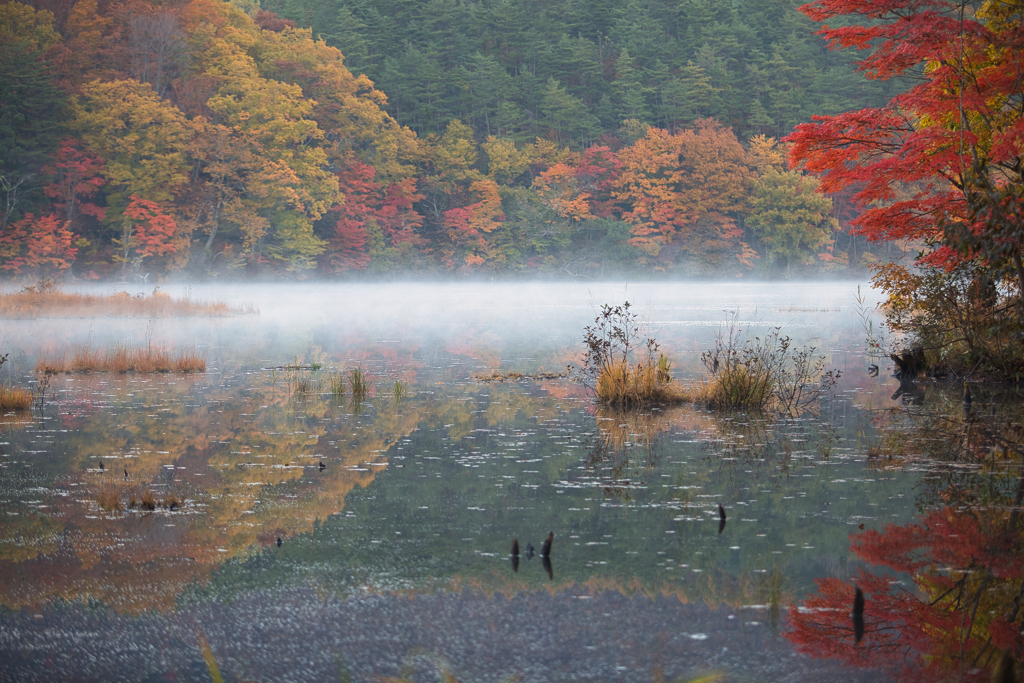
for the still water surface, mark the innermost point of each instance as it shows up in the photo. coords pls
(396, 513)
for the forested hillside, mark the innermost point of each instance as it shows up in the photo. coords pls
(574, 71)
(142, 138)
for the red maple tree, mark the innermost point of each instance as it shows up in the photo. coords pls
(76, 177)
(942, 161)
(368, 203)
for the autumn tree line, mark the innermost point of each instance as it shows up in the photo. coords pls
(143, 138)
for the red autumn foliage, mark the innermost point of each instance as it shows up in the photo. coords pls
(967, 569)
(269, 21)
(76, 177)
(153, 229)
(597, 173)
(390, 209)
(468, 222)
(37, 244)
(915, 161)
(396, 214)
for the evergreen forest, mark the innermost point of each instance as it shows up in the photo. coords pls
(293, 138)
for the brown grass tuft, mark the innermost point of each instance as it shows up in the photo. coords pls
(619, 383)
(123, 358)
(34, 302)
(147, 501)
(108, 497)
(736, 386)
(14, 398)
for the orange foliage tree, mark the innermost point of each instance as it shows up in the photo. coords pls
(43, 244)
(148, 232)
(684, 191)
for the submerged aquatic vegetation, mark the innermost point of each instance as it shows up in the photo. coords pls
(122, 358)
(400, 391)
(515, 376)
(47, 300)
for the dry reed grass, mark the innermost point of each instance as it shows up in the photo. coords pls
(624, 384)
(147, 501)
(736, 386)
(108, 497)
(14, 398)
(49, 303)
(123, 358)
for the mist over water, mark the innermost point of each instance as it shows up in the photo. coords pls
(523, 320)
(396, 511)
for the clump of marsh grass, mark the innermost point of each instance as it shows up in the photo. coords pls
(625, 384)
(108, 497)
(360, 383)
(623, 364)
(13, 398)
(336, 385)
(306, 388)
(400, 391)
(147, 501)
(122, 358)
(46, 299)
(766, 372)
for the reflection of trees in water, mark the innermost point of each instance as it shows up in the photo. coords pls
(625, 446)
(964, 554)
(966, 566)
(242, 460)
(629, 442)
(566, 634)
(971, 454)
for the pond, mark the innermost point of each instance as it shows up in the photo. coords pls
(250, 524)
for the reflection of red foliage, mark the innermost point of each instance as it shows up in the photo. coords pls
(967, 568)
(945, 538)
